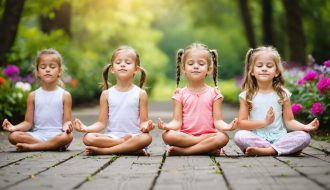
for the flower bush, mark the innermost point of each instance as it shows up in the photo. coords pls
(14, 91)
(310, 89)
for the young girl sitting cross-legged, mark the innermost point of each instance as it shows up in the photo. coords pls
(265, 109)
(123, 110)
(48, 111)
(197, 126)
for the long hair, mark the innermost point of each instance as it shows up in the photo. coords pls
(250, 84)
(50, 51)
(212, 60)
(106, 69)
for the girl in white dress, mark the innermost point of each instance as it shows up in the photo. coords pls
(48, 110)
(123, 110)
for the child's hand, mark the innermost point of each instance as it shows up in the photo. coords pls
(233, 125)
(79, 126)
(161, 125)
(7, 126)
(148, 126)
(270, 117)
(67, 127)
(312, 126)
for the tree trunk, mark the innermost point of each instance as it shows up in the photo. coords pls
(8, 27)
(297, 43)
(267, 22)
(61, 20)
(246, 18)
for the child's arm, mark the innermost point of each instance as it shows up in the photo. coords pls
(246, 124)
(176, 122)
(146, 125)
(67, 112)
(217, 117)
(103, 117)
(28, 121)
(295, 125)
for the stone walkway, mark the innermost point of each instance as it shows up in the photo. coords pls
(74, 170)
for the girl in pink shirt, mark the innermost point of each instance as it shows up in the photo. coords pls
(197, 126)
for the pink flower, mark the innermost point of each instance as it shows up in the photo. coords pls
(327, 63)
(311, 75)
(300, 82)
(296, 108)
(317, 108)
(323, 85)
(11, 70)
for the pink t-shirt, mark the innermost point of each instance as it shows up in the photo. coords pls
(197, 110)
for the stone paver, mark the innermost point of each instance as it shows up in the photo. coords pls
(74, 170)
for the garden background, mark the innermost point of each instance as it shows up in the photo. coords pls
(86, 32)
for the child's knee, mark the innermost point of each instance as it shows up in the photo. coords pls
(239, 135)
(88, 139)
(147, 139)
(14, 136)
(168, 136)
(222, 139)
(68, 137)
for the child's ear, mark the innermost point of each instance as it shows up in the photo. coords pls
(209, 70)
(277, 74)
(138, 69)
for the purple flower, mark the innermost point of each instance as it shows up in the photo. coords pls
(29, 78)
(323, 85)
(317, 108)
(300, 82)
(311, 75)
(15, 78)
(11, 70)
(296, 108)
(327, 63)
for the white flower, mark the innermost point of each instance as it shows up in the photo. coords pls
(23, 85)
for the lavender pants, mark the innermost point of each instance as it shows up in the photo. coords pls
(290, 143)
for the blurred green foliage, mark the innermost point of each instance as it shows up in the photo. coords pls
(156, 29)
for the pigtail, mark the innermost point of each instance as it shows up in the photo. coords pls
(247, 63)
(106, 83)
(143, 77)
(179, 55)
(249, 83)
(214, 56)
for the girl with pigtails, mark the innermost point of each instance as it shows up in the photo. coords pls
(197, 126)
(123, 110)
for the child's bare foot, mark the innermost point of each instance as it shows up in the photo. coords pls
(256, 151)
(174, 151)
(142, 152)
(217, 152)
(23, 147)
(92, 150)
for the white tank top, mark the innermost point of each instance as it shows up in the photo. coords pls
(48, 110)
(123, 112)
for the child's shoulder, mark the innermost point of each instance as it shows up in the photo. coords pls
(242, 94)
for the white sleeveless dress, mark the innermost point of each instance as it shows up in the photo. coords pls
(48, 113)
(124, 116)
